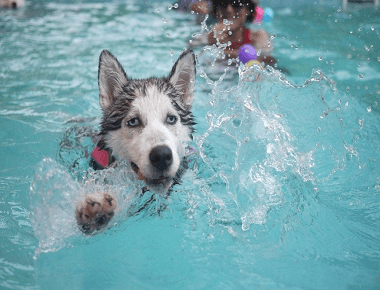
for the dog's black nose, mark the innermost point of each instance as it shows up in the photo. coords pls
(161, 157)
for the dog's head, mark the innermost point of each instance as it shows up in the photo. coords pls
(148, 121)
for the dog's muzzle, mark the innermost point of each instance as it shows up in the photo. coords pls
(161, 157)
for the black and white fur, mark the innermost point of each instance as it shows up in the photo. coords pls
(146, 122)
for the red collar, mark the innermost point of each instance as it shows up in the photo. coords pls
(101, 155)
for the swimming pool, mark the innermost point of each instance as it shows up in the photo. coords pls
(286, 193)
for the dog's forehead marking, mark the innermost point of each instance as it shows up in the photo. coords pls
(154, 106)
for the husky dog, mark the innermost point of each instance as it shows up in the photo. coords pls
(12, 3)
(146, 122)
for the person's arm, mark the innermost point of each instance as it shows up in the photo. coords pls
(260, 39)
(200, 7)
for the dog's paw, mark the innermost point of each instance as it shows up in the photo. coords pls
(95, 212)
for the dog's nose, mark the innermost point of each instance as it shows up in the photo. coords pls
(161, 157)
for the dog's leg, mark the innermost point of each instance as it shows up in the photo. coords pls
(95, 212)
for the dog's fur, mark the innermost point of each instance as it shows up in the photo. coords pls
(146, 122)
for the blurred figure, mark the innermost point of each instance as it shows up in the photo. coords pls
(202, 7)
(12, 3)
(230, 29)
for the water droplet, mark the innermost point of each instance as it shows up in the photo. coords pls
(332, 62)
(347, 89)
(378, 58)
(229, 32)
(360, 29)
(164, 20)
(372, 28)
(351, 31)
(360, 76)
(361, 123)
(168, 34)
(366, 48)
(336, 20)
(176, 5)
(369, 109)
(320, 58)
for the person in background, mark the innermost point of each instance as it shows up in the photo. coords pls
(233, 31)
(12, 3)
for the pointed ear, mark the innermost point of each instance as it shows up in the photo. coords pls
(182, 77)
(111, 79)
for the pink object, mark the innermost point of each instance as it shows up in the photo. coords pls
(101, 157)
(259, 15)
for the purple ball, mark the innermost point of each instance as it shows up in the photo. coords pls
(246, 53)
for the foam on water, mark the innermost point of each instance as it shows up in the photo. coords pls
(54, 195)
(265, 132)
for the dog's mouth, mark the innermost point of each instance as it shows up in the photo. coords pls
(137, 170)
(162, 180)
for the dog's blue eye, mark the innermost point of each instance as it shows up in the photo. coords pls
(171, 119)
(133, 122)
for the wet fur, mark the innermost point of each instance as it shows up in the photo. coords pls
(154, 103)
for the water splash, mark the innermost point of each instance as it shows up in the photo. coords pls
(270, 132)
(54, 195)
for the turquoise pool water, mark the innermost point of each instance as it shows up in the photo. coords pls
(285, 187)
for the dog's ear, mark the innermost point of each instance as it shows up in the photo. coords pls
(182, 77)
(111, 79)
